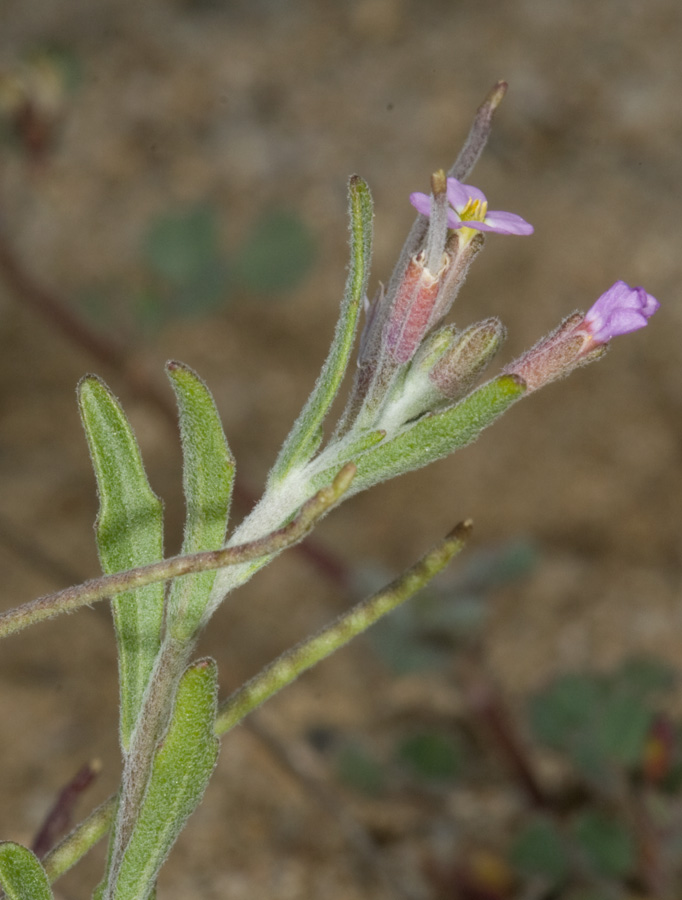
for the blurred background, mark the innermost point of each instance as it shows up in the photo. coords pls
(175, 173)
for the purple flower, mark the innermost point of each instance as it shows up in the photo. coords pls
(580, 339)
(619, 310)
(469, 209)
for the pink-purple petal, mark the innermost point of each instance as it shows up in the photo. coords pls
(454, 220)
(620, 321)
(619, 310)
(507, 223)
(421, 202)
(650, 304)
(459, 194)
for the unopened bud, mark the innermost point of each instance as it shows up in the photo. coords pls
(468, 354)
(580, 339)
(432, 348)
(556, 355)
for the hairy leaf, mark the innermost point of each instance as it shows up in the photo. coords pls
(208, 477)
(181, 770)
(305, 436)
(21, 874)
(129, 532)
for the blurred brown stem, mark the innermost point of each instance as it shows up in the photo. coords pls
(59, 819)
(112, 353)
(489, 710)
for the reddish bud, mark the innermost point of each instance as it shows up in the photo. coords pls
(556, 355)
(412, 308)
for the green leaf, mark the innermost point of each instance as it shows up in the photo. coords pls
(644, 677)
(305, 436)
(181, 770)
(599, 721)
(566, 708)
(21, 875)
(357, 769)
(401, 644)
(208, 476)
(129, 531)
(434, 436)
(179, 246)
(606, 844)
(431, 755)
(277, 254)
(623, 727)
(539, 852)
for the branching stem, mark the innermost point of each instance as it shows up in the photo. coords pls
(96, 589)
(280, 673)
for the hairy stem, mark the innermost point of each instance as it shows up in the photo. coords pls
(96, 589)
(287, 667)
(81, 839)
(156, 709)
(274, 677)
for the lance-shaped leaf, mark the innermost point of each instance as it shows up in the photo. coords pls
(129, 532)
(21, 875)
(433, 436)
(208, 476)
(181, 770)
(306, 434)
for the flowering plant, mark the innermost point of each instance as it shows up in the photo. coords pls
(414, 400)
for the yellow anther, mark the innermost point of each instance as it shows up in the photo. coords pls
(474, 211)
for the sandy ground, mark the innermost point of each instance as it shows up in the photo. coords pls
(259, 104)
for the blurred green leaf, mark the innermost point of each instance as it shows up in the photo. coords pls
(357, 769)
(496, 565)
(181, 246)
(398, 641)
(539, 852)
(65, 62)
(431, 755)
(276, 255)
(564, 709)
(644, 677)
(623, 728)
(606, 844)
(599, 721)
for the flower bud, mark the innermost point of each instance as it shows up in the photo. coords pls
(442, 371)
(580, 339)
(556, 355)
(471, 351)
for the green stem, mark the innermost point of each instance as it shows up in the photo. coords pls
(81, 839)
(101, 588)
(287, 667)
(170, 663)
(274, 677)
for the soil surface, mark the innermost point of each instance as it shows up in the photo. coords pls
(260, 105)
